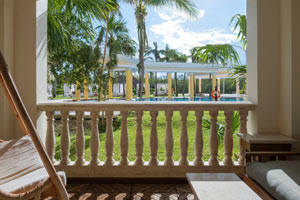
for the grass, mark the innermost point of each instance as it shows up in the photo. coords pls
(161, 125)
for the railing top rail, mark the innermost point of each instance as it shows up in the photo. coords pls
(145, 106)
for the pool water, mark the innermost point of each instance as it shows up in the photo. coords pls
(191, 99)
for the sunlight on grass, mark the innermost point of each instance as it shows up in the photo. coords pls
(161, 125)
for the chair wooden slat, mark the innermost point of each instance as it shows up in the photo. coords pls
(27, 125)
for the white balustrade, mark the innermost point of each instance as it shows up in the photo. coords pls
(153, 167)
(243, 130)
(80, 141)
(124, 140)
(139, 139)
(169, 140)
(184, 139)
(198, 139)
(109, 142)
(213, 138)
(94, 142)
(153, 139)
(228, 139)
(65, 139)
(50, 136)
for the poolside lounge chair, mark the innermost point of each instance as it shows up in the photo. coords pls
(26, 171)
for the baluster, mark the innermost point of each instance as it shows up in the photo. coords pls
(50, 137)
(243, 130)
(65, 139)
(184, 142)
(109, 141)
(124, 140)
(94, 142)
(198, 140)
(228, 140)
(169, 141)
(153, 139)
(213, 139)
(139, 139)
(80, 143)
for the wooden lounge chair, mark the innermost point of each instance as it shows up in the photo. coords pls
(26, 171)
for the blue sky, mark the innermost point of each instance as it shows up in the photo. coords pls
(170, 26)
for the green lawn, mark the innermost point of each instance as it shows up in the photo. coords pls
(161, 124)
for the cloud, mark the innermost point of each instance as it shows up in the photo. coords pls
(172, 32)
(173, 13)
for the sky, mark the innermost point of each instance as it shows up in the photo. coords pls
(167, 25)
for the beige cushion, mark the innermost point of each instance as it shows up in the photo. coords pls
(21, 168)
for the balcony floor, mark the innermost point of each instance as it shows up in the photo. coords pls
(133, 190)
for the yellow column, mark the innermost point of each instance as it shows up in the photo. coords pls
(77, 91)
(192, 86)
(147, 85)
(219, 84)
(131, 84)
(214, 81)
(128, 85)
(169, 85)
(200, 85)
(86, 90)
(237, 85)
(110, 86)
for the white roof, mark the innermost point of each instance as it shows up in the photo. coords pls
(125, 62)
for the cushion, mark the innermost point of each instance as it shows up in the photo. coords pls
(280, 178)
(21, 168)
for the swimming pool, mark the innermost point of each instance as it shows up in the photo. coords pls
(191, 99)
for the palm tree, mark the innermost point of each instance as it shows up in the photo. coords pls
(62, 13)
(116, 39)
(172, 55)
(240, 24)
(140, 15)
(156, 53)
(215, 54)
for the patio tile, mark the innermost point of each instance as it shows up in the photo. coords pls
(77, 187)
(153, 188)
(183, 188)
(110, 188)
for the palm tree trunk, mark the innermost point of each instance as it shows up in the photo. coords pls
(156, 84)
(54, 88)
(183, 85)
(141, 66)
(103, 63)
(176, 92)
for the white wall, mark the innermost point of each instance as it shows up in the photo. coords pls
(264, 64)
(24, 42)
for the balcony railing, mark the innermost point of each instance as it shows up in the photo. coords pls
(140, 168)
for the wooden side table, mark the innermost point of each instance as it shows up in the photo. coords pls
(266, 142)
